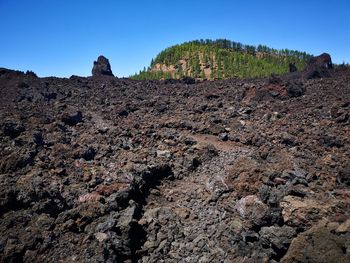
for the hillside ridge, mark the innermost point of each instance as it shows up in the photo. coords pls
(221, 59)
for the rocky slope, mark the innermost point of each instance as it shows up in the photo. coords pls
(102, 169)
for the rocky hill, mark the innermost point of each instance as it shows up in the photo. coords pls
(102, 169)
(221, 59)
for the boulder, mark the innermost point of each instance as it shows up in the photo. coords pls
(343, 177)
(89, 154)
(319, 244)
(295, 89)
(252, 209)
(277, 237)
(292, 67)
(13, 130)
(72, 118)
(304, 212)
(318, 67)
(344, 227)
(102, 67)
(188, 80)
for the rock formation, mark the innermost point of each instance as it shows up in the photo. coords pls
(102, 67)
(318, 67)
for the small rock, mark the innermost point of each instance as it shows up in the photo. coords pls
(223, 137)
(250, 236)
(344, 227)
(164, 153)
(89, 154)
(295, 177)
(252, 209)
(236, 225)
(278, 237)
(343, 177)
(72, 118)
(331, 141)
(101, 236)
(13, 130)
(90, 197)
(38, 138)
(295, 89)
(182, 212)
(264, 192)
(288, 139)
(108, 224)
(216, 186)
(298, 190)
(246, 110)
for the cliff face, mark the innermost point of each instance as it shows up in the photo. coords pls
(111, 170)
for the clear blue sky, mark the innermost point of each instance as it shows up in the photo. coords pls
(63, 37)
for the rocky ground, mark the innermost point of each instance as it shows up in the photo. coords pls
(102, 169)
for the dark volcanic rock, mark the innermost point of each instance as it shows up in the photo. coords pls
(319, 67)
(13, 130)
(292, 67)
(72, 118)
(319, 244)
(102, 67)
(324, 60)
(102, 169)
(278, 237)
(188, 80)
(89, 154)
(38, 138)
(275, 79)
(343, 177)
(295, 89)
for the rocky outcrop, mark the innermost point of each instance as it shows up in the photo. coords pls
(319, 67)
(102, 67)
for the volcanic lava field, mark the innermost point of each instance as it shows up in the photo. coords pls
(105, 169)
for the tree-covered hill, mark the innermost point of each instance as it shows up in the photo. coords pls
(218, 59)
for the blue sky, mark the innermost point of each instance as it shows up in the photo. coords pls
(63, 37)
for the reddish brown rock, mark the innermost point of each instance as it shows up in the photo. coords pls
(319, 244)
